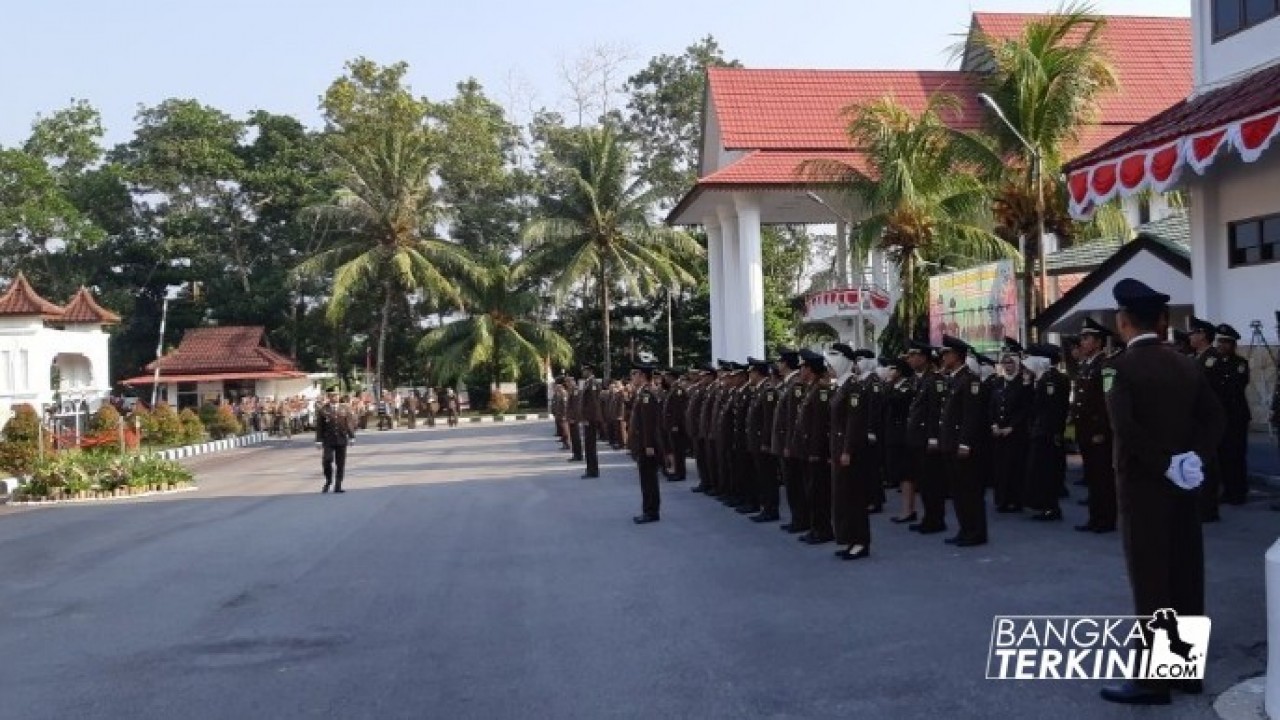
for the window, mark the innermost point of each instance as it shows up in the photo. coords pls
(1232, 16)
(1254, 241)
(187, 396)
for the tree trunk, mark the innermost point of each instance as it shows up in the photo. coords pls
(604, 311)
(382, 337)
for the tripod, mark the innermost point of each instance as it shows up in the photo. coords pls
(1260, 339)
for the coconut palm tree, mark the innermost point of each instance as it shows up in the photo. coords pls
(594, 227)
(918, 201)
(501, 333)
(382, 217)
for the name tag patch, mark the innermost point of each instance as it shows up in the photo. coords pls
(1108, 376)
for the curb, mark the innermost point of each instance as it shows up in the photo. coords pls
(114, 498)
(213, 446)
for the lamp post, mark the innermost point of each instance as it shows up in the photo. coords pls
(155, 380)
(859, 339)
(1037, 164)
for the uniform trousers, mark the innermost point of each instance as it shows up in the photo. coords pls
(1163, 547)
(679, 453)
(334, 463)
(575, 439)
(797, 499)
(714, 474)
(896, 464)
(700, 459)
(766, 479)
(1009, 470)
(932, 484)
(1100, 477)
(874, 474)
(1232, 452)
(968, 498)
(818, 487)
(850, 496)
(745, 469)
(589, 442)
(650, 499)
(1045, 462)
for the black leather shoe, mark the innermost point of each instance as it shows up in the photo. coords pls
(1190, 687)
(747, 509)
(765, 517)
(325, 489)
(915, 527)
(699, 488)
(675, 478)
(804, 537)
(339, 490)
(971, 542)
(1104, 529)
(1083, 503)
(1047, 515)
(817, 539)
(932, 530)
(588, 476)
(793, 528)
(857, 552)
(1087, 527)
(1009, 509)
(1129, 693)
(644, 519)
(574, 459)
(954, 540)
(904, 519)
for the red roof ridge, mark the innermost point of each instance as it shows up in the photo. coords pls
(82, 308)
(21, 300)
(225, 348)
(1103, 16)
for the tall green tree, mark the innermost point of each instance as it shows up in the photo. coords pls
(664, 119)
(920, 206)
(502, 338)
(594, 227)
(384, 153)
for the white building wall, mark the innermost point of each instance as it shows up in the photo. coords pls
(1233, 55)
(27, 353)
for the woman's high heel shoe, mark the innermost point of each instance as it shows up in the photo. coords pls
(907, 519)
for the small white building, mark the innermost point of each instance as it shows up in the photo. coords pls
(42, 344)
(1216, 145)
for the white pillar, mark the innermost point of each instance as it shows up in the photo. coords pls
(731, 296)
(752, 276)
(1203, 240)
(715, 274)
(1272, 699)
(842, 255)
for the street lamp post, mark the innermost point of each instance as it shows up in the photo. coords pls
(1037, 167)
(155, 381)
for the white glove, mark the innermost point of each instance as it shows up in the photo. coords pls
(1186, 471)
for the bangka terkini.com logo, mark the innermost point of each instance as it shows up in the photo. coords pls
(1162, 646)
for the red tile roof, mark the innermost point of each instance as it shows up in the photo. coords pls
(21, 300)
(805, 109)
(213, 377)
(83, 309)
(1250, 95)
(236, 349)
(1151, 57)
(780, 167)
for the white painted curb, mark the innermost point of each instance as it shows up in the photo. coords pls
(213, 446)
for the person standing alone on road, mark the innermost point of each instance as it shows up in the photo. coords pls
(335, 429)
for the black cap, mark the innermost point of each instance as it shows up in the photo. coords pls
(1135, 295)
(863, 354)
(1180, 336)
(815, 361)
(790, 358)
(845, 350)
(1226, 332)
(984, 359)
(1093, 327)
(643, 369)
(954, 344)
(915, 346)
(1045, 350)
(758, 365)
(902, 366)
(1196, 325)
(1012, 346)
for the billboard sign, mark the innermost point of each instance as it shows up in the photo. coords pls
(978, 305)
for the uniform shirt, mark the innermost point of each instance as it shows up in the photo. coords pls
(784, 416)
(673, 411)
(646, 422)
(898, 399)
(589, 410)
(335, 425)
(1050, 405)
(963, 416)
(1089, 401)
(810, 438)
(845, 399)
(1228, 376)
(759, 428)
(1010, 403)
(922, 420)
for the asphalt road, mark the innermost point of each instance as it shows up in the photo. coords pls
(470, 573)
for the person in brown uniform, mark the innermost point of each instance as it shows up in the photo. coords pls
(573, 417)
(759, 437)
(930, 475)
(1231, 383)
(1010, 413)
(559, 398)
(810, 441)
(848, 445)
(898, 395)
(960, 427)
(711, 413)
(727, 440)
(673, 412)
(1161, 408)
(791, 467)
(335, 430)
(591, 416)
(693, 422)
(646, 441)
(874, 378)
(1093, 429)
(744, 460)
(1046, 455)
(1200, 337)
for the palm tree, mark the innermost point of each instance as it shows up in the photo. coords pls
(501, 334)
(594, 227)
(919, 202)
(383, 218)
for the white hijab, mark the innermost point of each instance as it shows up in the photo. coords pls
(1037, 365)
(866, 366)
(840, 364)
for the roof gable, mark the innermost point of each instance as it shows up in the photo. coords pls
(84, 309)
(21, 300)
(223, 349)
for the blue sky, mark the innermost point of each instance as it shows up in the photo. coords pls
(279, 55)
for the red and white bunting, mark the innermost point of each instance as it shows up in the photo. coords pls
(1160, 167)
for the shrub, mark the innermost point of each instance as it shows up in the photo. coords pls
(499, 403)
(144, 420)
(106, 419)
(19, 448)
(73, 472)
(166, 428)
(220, 421)
(192, 427)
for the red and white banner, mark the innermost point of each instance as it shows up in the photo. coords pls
(1160, 167)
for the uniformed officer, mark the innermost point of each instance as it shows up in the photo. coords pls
(1161, 408)
(743, 460)
(573, 417)
(1046, 457)
(791, 466)
(899, 392)
(693, 422)
(673, 416)
(871, 464)
(852, 466)
(759, 438)
(726, 440)
(1231, 382)
(810, 442)
(924, 404)
(429, 406)
(451, 408)
(1093, 429)
(926, 420)
(960, 426)
(710, 412)
(590, 417)
(646, 441)
(1182, 342)
(559, 399)
(1200, 337)
(1010, 413)
(335, 430)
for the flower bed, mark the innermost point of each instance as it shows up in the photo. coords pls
(87, 475)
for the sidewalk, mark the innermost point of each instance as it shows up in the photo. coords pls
(1264, 460)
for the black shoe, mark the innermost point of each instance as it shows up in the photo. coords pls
(325, 489)
(699, 488)
(1234, 499)
(804, 538)
(748, 509)
(1129, 693)
(644, 519)
(925, 530)
(1047, 515)
(793, 529)
(857, 552)
(675, 478)
(1083, 503)
(1190, 687)
(953, 540)
(1087, 527)
(1009, 509)
(817, 539)
(588, 476)
(875, 509)
(1081, 483)
(904, 518)
(339, 490)
(915, 527)
(1104, 529)
(971, 542)
(765, 517)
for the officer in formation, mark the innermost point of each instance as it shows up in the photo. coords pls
(590, 419)
(646, 440)
(1093, 428)
(1214, 348)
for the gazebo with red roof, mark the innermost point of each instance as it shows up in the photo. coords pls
(223, 362)
(759, 126)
